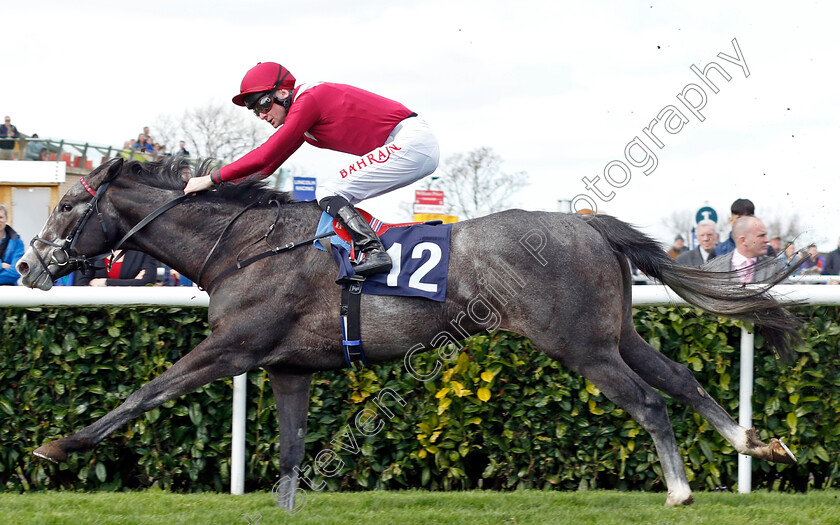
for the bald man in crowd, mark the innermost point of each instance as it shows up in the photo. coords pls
(749, 257)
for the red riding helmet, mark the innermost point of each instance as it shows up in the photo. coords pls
(264, 77)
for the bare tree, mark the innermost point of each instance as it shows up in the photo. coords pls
(679, 222)
(167, 132)
(787, 227)
(474, 184)
(216, 130)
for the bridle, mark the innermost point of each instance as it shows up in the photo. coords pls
(64, 254)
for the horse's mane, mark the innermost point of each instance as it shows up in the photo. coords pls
(168, 174)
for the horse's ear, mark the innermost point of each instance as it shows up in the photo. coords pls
(114, 169)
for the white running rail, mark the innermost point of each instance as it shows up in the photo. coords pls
(643, 295)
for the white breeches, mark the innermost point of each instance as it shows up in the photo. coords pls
(410, 153)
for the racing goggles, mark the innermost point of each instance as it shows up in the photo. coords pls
(262, 104)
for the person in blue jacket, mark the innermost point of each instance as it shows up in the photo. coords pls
(11, 250)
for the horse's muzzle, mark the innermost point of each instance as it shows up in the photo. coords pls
(33, 273)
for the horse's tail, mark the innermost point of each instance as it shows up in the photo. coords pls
(714, 292)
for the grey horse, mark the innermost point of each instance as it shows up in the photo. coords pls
(561, 280)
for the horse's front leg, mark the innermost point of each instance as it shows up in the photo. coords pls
(291, 394)
(210, 360)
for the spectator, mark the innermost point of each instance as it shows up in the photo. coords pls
(133, 269)
(678, 247)
(142, 140)
(172, 277)
(739, 208)
(781, 252)
(707, 237)
(791, 256)
(832, 263)
(35, 149)
(8, 132)
(814, 264)
(70, 279)
(749, 259)
(776, 246)
(11, 250)
(182, 150)
(181, 279)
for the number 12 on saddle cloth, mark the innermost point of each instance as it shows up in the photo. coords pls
(419, 253)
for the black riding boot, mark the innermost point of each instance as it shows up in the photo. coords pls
(366, 241)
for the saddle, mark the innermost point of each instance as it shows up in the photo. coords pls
(420, 256)
(378, 226)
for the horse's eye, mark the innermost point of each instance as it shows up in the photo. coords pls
(66, 207)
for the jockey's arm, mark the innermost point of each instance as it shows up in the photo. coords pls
(264, 160)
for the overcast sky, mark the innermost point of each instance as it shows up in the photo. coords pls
(557, 89)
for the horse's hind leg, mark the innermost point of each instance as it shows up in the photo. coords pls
(677, 381)
(208, 361)
(291, 395)
(626, 389)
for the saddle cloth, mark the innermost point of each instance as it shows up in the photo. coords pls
(419, 252)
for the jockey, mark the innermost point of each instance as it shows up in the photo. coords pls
(395, 146)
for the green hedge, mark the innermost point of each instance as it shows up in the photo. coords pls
(500, 416)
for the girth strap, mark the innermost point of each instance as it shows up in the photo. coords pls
(351, 308)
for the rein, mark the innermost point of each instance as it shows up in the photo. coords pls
(219, 240)
(142, 224)
(62, 254)
(263, 255)
(150, 217)
(251, 260)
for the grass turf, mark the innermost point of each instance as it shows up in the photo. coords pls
(155, 507)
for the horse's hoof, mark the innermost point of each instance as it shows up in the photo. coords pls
(51, 452)
(780, 453)
(676, 500)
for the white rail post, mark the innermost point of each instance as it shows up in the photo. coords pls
(745, 406)
(237, 439)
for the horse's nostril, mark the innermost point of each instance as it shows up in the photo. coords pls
(23, 268)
